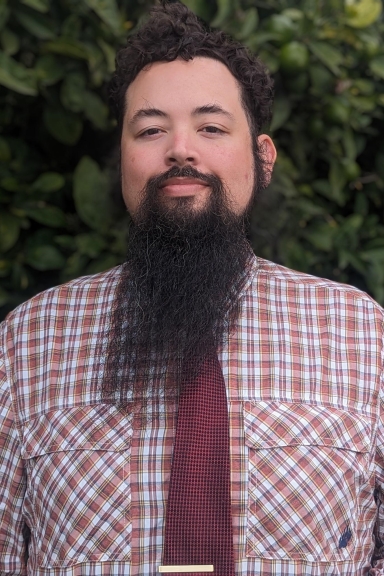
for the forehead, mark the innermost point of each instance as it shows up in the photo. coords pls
(184, 85)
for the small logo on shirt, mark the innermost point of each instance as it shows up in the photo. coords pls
(345, 538)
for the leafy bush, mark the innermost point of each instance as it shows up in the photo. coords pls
(322, 214)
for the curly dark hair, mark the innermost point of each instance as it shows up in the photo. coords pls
(173, 31)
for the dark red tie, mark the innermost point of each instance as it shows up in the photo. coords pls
(198, 528)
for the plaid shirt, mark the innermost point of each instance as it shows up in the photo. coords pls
(303, 371)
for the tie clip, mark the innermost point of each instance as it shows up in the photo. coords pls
(187, 568)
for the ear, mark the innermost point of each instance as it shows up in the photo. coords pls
(268, 152)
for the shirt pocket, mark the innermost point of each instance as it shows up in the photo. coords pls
(307, 466)
(78, 485)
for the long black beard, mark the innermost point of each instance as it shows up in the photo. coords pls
(178, 295)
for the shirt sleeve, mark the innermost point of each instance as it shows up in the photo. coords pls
(12, 486)
(378, 555)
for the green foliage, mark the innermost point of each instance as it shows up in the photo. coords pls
(327, 197)
(323, 212)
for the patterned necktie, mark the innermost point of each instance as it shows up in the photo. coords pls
(198, 528)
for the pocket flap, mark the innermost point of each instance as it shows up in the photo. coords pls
(100, 427)
(273, 424)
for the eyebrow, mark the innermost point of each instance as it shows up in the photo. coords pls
(212, 109)
(147, 113)
(199, 111)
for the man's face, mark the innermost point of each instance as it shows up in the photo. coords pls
(188, 114)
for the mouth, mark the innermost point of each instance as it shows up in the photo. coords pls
(183, 187)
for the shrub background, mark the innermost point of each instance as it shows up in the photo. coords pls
(323, 213)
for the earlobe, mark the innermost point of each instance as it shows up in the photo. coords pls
(268, 153)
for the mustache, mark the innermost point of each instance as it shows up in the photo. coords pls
(183, 172)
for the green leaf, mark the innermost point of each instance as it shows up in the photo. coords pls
(10, 183)
(310, 208)
(285, 164)
(295, 254)
(371, 41)
(321, 236)
(4, 297)
(199, 7)
(362, 13)
(337, 181)
(337, 110)
(328, 55)
(96, 63)
(5, 151)
(66, 242)
(67, 47)
(109, 54)
(4, 13)
(90, 191)
(108, 12)
(294, 57)
(44, 257)
(349, 144)
(48, 215)
(361, 204)
(346, 257)
(39, 5)
(322, 187)
(71, 26)
(281, 111)
(282, 182)
(379, 164)
(75, 97)
(17, 77)
(377, 66)
(258, 38)
(282, 28)
(5, 268)
(297, 84)
(96, 111)
(75, 266)
(293, 14)
(49, 70)
(63, 125)
(9, 231)
(72, 93)
(364, 86)
(224, 10)
(10, 42)
(48, 182)
(363, 103)
(352, 223)
(360, 121)
(373, 255)
(321, 79)
(270, 60)
(21, 279)
(251, 20)
(104, 262)
(91, 244)
(37, 25)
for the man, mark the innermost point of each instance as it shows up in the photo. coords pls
(94, 373)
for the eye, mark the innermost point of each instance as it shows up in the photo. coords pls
(150, 132)
(212, 130)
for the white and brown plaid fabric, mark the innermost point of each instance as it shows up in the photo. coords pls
(304, 378)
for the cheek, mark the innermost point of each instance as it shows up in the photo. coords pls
(242, 176)
(248, 177)
(130, 168)
(246, 165)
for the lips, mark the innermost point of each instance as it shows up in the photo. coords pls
(183, 186)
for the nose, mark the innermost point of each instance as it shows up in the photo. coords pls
(181, 150)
